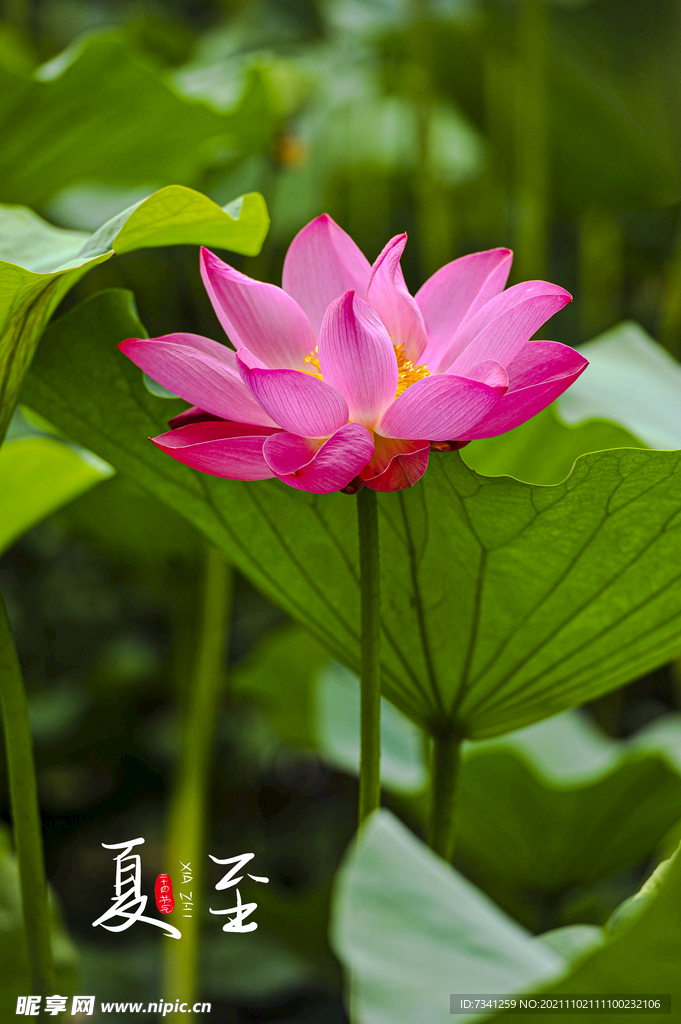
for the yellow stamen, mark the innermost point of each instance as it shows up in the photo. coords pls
(408, 373)
(313, 359)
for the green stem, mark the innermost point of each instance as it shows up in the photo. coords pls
(532, 200)
(25, 812)
(670, 312)
(187, 819)
(445, 770)
(370, 587)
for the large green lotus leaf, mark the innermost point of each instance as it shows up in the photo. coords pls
(641, 956)
(14, 962)
(410, 931)
(37, 476)
(566, 804)
(503, 603)
(631, 380)
(40, 263)
(95, 114)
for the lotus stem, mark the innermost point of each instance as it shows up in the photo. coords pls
(670, 313)
(445, 771)
(187, 818)
(25, 813)
(370, 588)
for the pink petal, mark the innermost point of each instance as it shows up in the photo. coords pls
(259, 316)
(322, 262)
(457, 291)
(357, 358)
(300, 462)
(539, 374)
(199, 370)
(389, 296)
(296, 401)
(540, 361)
(440, 408)
(247, 359)
(489, 372)
(500, 329)
(395, 464)
(232, 450)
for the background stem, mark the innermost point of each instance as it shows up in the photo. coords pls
(25, 813)
(532, 193)
(445, 770)
(601, 270)
(187, 823)
(670, 306)
(433, 200)
(370, 760)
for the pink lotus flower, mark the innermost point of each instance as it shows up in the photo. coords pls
(341, 374)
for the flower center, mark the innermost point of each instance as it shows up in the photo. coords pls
(408, 373)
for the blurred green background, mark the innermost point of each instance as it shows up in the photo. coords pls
(550, 127)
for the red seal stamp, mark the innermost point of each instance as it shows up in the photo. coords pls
(163, 890)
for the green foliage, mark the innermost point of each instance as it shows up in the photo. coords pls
(40, 263)
(609, 126)
(37, 476)
(410, 931)
(471, 639)
(566, 804)
(126, 523)
(14, 966)
(313, 704)
(640, 957)
(279, 677)
(102, 116)
(631, 908)
(632, 380)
